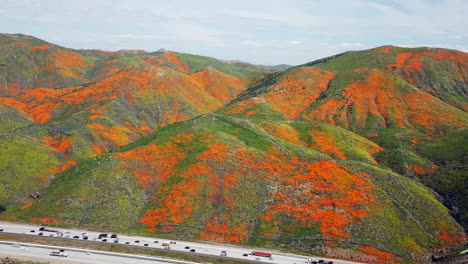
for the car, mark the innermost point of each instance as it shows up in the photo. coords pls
(1, 229)
(58, 254)
(32, 231)
(85, 238)
(84, 234)
(127, 243)
(16, 245)
(76, 236)
(330, 262)
(114, 236)
(40, 234)
(223, 253)
(62, 250)
(156, 241)
(116, 241)
(187, 247)
(145, 245)
(321, 261)
(245, 255)
(192, 250)
(137, 241)
(42, 229)
(104, 240)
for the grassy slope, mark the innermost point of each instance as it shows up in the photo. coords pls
(227, 174)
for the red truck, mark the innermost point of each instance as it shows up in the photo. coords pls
(261, 254)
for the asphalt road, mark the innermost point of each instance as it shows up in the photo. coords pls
(176, 245)
(42, 253)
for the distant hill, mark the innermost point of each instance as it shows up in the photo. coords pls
(352, 156)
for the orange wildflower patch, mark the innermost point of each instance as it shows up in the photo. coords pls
(417, 169)
(449, 236)
(27, 204)
(221, 86)
(62, 144)
(321, 192)
(44, 220)
(152, 164)
(251, 112)
(294, 93)
(385, 49)
(43, 47)
(96, 112)
(420, 170)
(330, 243)
(380, 256)
(20, 44)
(285, 132)
(242, 106)
(65, 166)
(326, 144)
(154, 60)
(69, 64)
(401, 59)
(421, 112)
(115, 134)
(374, 95)
(170, 56)
(360, 69)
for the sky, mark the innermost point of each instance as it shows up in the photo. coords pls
(266, 32)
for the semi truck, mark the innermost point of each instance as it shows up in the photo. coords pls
(261, 254)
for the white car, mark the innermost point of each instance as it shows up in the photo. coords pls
(59, 254)
(16, 245)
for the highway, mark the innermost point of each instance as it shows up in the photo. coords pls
(150, 242)
(42, 253)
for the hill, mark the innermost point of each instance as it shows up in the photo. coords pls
(71, 105)
(336, 156)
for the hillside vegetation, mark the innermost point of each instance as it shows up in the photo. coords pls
(352, 156)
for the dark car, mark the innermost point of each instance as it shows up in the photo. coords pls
(85, 238)
(156, 241)
(104, 240)
(127, 243)
(76, 236)
(145, 245)
(245, 255)
(330, 262)
(187, 247)
(42, 229)
(114, 236)
(137, 241)
(32, 231)
(192, 250)
(41, 234)
(1, 229)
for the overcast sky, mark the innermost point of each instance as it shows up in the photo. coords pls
(258, 31)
